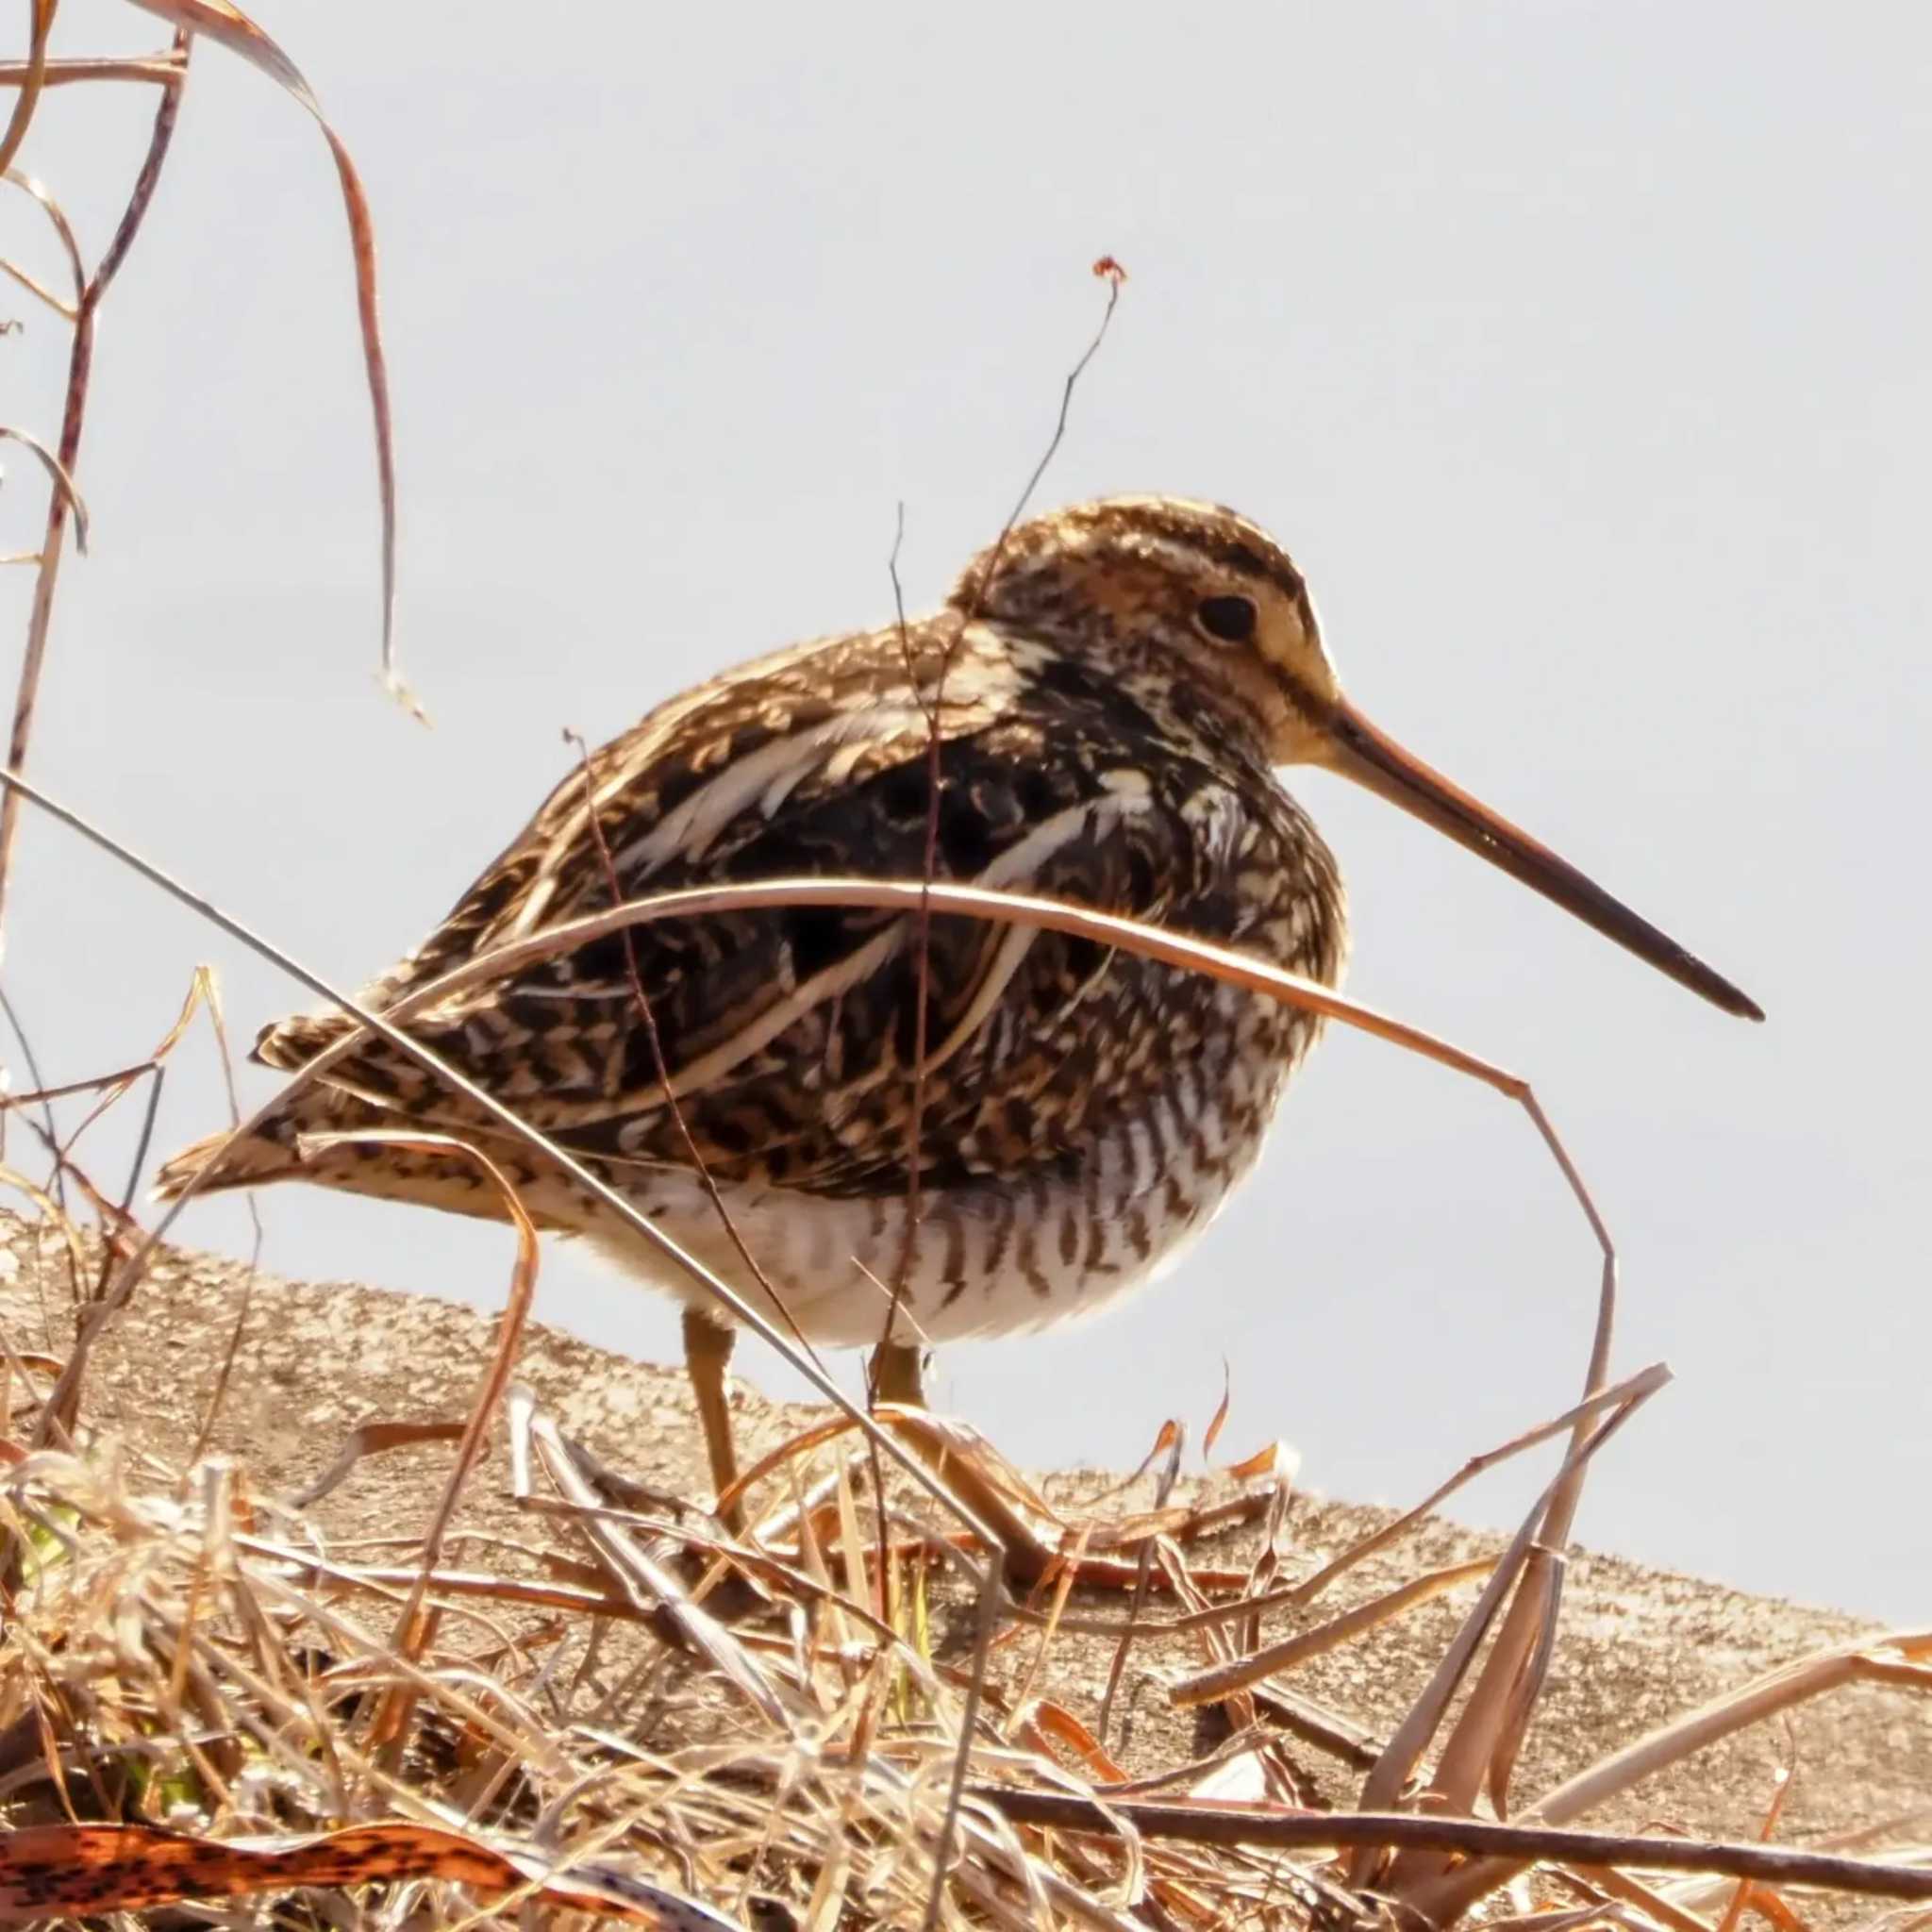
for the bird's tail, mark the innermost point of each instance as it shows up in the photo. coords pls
(281, 1147)
(248, 1163)
(272, 1152)
(384, 1168)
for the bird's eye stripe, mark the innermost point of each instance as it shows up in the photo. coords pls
(1230, 619)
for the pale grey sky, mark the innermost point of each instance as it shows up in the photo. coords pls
(1576, 352)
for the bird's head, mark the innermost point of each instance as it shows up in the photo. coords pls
(1203, 587)
(1222, 602)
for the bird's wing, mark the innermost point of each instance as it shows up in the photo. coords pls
(788, 1036)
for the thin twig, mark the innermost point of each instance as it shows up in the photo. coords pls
(1116, 1669)
(38, 193)
(79, 366)
(986, 1619)
(1110, 272)
(232, 1352)
(29, 76)
(164, 69)
(389, 1726)
(922, 955)
(41, 1095)
(113, 1089)
(1220, 1680)
(1284, 1830)
(61, 477)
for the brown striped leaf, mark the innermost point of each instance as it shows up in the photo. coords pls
(70, 1871)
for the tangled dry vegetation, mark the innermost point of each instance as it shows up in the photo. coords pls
(265, 1659)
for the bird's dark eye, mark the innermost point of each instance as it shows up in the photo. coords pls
(1230, 619)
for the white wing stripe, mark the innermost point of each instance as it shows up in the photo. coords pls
(774, 770)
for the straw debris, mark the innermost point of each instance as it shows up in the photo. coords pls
(209, 1689)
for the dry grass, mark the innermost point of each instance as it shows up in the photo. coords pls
(215, 1685)
(188, 1651)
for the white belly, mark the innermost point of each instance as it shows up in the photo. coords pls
(996, 1259)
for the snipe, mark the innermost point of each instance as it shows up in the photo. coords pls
(1114, 686)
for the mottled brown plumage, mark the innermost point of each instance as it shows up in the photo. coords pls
(1111, 687)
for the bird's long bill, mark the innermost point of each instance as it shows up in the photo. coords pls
(1358, 751)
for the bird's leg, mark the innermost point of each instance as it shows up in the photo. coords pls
(708, 1346)
(897, 1374)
